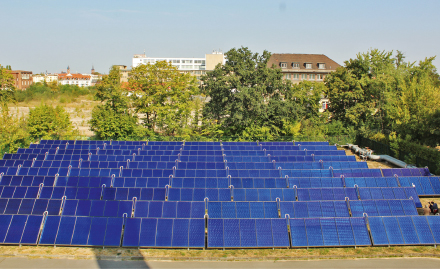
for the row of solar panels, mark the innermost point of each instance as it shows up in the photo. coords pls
(157, 158)
(222, 233)
(186, 194)
(201, 182)
(110, 142)
(183, 165)
(309, 209)
(183, 152)
(173, 209)
(185, 147)
(129, 172)
(424, 185)
(100, 231)
(319, 232)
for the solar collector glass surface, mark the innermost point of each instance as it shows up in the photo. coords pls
(314, 232)
(81, 231)
(423, 229)
(231, 233)
(393, 230)
(113, 232)
(97, 231)
(378, 231)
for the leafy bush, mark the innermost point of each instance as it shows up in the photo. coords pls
(109, 124)
(13, 133)
(47, 122)
(41, 92)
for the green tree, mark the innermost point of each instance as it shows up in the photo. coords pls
(47, 122)
(247, 97)
(13, 133)
(109, 124)
(164, 96)
(361, 92)
(7, 88)
(114, 118)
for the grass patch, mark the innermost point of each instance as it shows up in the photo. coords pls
(228, 254)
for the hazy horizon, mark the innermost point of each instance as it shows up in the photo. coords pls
(51, 35)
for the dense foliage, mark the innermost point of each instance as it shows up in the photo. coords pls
(47, 122)
(250, 99)
(376, 93)
(114, 119)
(164, 97)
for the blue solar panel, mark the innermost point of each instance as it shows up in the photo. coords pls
(360, 232)
(264, 233)
(81, 232)
(279, 233)
(231, 233)
(424, 232)
(270, 210)
(215, 232)
(97, 232)
(65, 230)
(113, 232)
(378, 231)
(215, 209)
(180, 233)
(131, 232)
(16, 229)
(196, 237)
(50, 230)
(393, 231)
(345, 232)
(243, 210)
(329, 232)
(408, 230)
(248, 233)
(434, 224)
(147, 236)
(163, 235)
(228, 210)
(314, 232)
(370, 208)
(383, 208)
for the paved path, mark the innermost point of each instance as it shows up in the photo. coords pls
(400, 263)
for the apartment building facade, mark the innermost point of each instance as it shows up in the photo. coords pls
(304, 67)
(22, 79)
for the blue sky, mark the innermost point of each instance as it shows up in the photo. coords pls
(40, 35)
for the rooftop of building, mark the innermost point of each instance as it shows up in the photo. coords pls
(302, 59)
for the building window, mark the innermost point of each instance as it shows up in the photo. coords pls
(283, 65)
(303, 76)
(288, 76)
(321, 66)
(319, 77)
(295, 76)
(295, 65)
(308, 66)
(324, 105)
(312, 77)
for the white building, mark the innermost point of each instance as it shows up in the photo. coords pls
(46, 77)
(38, 78)
(81, 80)
(194, 66)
